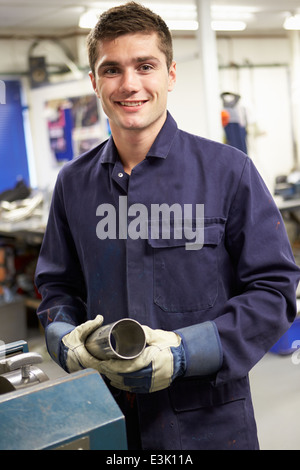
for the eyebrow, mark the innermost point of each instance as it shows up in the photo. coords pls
(137, 60)
(108, 63)
(146, 58)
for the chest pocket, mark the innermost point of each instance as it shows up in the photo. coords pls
(187, 280)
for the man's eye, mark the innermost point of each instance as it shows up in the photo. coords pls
(111, 71)
(146, 67)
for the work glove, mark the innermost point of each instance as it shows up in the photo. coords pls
(160, 363)
(76, 356)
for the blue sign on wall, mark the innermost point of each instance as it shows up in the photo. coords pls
(13, 154)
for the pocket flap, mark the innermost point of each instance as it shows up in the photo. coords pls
(208, 231)
(194, 393)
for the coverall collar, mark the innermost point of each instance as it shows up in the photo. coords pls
(160, 147)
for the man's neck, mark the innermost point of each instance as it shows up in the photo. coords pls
(133, 145)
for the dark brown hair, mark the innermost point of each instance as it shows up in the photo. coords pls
(129, 18)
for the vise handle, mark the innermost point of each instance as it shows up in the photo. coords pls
(23, 362)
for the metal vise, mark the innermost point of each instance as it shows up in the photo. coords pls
(76, 411)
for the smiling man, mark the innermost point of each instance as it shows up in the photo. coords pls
(209, 314)
(133, 91)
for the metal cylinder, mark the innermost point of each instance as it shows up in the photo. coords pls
(124, 339)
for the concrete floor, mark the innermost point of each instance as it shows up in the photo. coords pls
(275, 384)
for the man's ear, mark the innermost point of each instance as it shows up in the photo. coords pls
(94, 85)
(172, 76)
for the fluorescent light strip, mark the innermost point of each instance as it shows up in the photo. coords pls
(182, 25)
(88, 19)
(180, 17)
(292, 23)
(233, 10)
(228, 25)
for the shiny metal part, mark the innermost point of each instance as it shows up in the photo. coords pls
(124, 339)
(20, 372)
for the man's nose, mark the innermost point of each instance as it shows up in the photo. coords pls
(130, 82)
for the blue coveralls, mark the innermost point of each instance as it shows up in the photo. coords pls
(242, 281)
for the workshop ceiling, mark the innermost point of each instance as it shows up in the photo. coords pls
(62, 16)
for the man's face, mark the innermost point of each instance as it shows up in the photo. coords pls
(132, 82)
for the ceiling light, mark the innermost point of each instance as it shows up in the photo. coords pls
(179, 11)
(228, 25)
(88, 19)
(234, 12)
(292, 23)
(182, 16)
(179, 17)
(183, 25)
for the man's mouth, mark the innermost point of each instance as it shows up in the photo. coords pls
(131, 104)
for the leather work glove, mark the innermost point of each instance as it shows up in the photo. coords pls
(76, 355)
(159, 364)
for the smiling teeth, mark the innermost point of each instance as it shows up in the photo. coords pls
(131, 103)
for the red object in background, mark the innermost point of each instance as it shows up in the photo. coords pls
(225, 118)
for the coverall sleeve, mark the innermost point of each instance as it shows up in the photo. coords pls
(266, 278)
(59, 276)
(263, 306)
